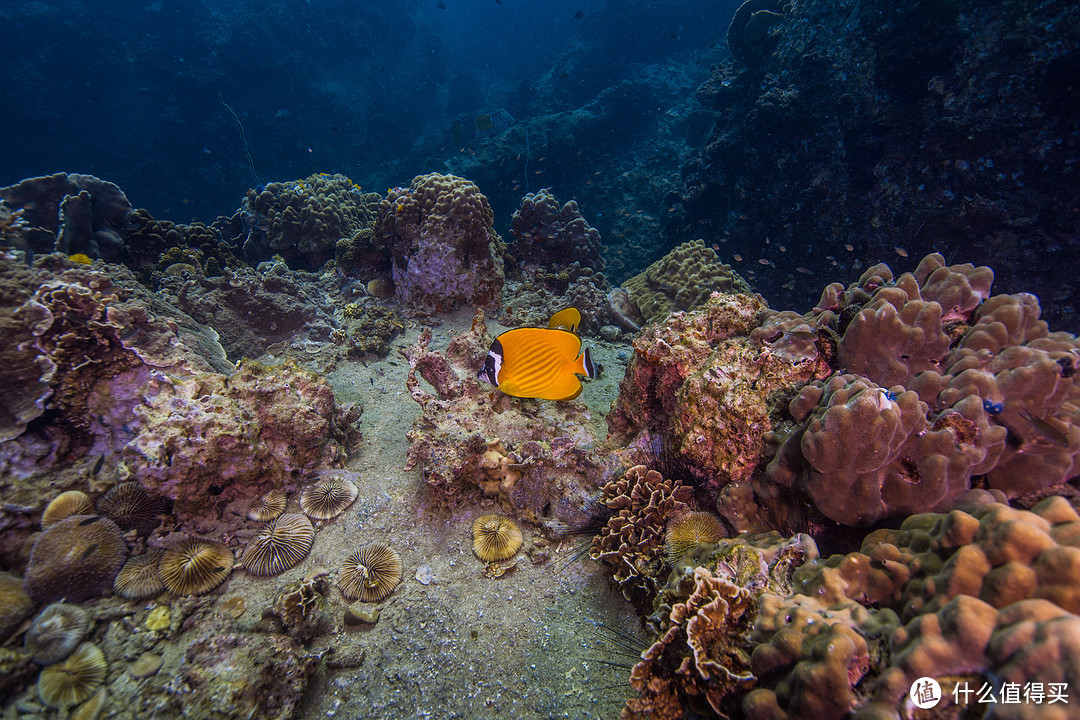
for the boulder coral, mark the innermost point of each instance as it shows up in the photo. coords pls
(682, 280)
(553, 236)
(443, 248)
(304, 220)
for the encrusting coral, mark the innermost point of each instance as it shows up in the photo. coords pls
(284, 418)
(443, 248)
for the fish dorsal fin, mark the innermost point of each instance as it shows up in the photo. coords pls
(568, 319)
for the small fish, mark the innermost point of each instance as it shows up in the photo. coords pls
(579, 14)
(993, 408)
(538, 363)
(89, 521)
(90, 550)
(1046, 430)
(567, 320)
(441, 6)
(484, 122)
(98, 464)
(900, 251)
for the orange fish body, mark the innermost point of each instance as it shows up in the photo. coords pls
(567, 319)
(538, 363)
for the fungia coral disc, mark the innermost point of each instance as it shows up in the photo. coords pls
(74, 680)
(371, 573)
(280, 545)
(328, 498)
(495, 538)
(195, 567)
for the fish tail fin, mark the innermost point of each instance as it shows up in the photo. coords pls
(589, 368)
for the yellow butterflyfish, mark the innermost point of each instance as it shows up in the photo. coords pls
(540, 363)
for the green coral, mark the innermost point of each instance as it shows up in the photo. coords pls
(371, 326)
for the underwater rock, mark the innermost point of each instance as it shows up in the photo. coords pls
(444, 250)
(285, 419)
(303, 609)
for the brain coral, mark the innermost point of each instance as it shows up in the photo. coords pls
(549, 235)
(682, 280)
(444, 250)
(303, 220)
(75, 559)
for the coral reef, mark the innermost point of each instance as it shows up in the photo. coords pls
(303, 220)
(74, 559)
(193, 428)
(682, 280)
(444, 250)
(538, 458)
(698, 384)
(554, 237)
(631, 544)
(71, 213)
(945, 383)
(842, 133)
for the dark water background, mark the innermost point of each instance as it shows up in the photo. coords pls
(843, 133)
